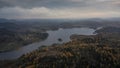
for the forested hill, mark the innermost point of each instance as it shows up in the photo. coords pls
(13, 36)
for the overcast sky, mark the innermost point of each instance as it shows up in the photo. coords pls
(32, 9)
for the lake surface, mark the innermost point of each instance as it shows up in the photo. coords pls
(53, 37)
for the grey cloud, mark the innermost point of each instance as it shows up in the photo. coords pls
(58, 3)
(46, 3)
(3, 4)
(82, 5)
(39, 3)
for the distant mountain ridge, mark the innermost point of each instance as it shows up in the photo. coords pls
(3, 20)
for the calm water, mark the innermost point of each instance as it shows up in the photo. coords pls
(53, 37)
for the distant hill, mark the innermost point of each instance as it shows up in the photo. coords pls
(3, 20)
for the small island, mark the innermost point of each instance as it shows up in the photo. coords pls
(59, 39)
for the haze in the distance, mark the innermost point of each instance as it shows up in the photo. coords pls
(70, 9)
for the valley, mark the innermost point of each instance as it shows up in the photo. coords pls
(67, 45)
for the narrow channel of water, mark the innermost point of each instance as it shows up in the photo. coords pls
(53, 37)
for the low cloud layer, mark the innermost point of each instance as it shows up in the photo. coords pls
(15, 9)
